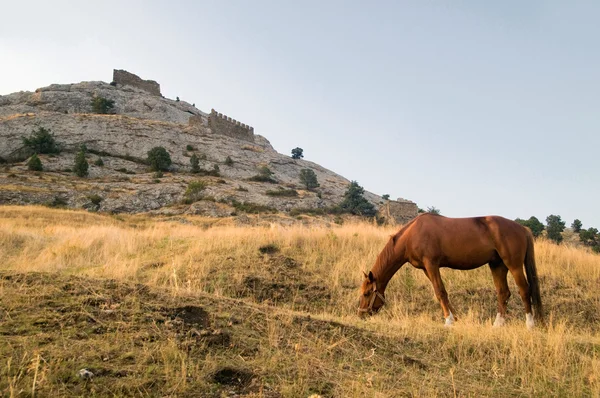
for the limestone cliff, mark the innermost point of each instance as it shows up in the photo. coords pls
(140, 120)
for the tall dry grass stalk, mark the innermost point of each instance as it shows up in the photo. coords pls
(201, 256)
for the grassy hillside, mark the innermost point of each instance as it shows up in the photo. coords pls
(198, 307)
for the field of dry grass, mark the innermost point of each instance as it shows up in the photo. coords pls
(193, 307)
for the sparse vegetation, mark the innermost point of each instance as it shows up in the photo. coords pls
(433, 210)
(95, 199)
(41, 141)
(228, 161)
(264, 175)
(102, 106)
(252, 208)
(99, 162)
(188, 147)
(282, 192)
(198, 309)
(34, 163)
(385, 197)
(159, 159)
(193, 193)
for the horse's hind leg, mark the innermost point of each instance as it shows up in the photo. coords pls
(499, 272)
(519, 275)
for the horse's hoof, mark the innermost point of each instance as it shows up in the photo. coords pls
(529, 321)
(499, 322)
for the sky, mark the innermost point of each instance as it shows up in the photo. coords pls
(473, 107)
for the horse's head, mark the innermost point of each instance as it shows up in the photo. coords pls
(371, 300)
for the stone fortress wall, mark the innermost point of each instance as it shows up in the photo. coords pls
(222, 124)
(401, 210)
(125, 78)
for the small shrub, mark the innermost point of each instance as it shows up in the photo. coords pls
(34, 163)
(95, 199)
(385, 197)
(264, 175)
(252, 208)
(102, 106)
(188, 147)
(177, 99)
(307, 210)
(81, 165)
(228, 161)
(283, 192)
(12, 175)
(195, 163)
(270, 248)
(125, 171)
(158, 174)
(57, 201)
(41, 141)
(193, 192)
(159, 159)
(99, 162)
(241, 189)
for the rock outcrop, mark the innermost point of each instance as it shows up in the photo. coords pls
(140, 120)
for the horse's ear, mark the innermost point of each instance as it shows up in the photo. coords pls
(365, 274)
(371, 277)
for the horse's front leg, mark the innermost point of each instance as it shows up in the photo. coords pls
(433, 272)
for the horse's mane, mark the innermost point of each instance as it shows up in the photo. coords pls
(388, 251)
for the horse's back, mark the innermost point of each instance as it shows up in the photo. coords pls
(466, 242)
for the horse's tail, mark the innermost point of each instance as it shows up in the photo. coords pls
(532, 278)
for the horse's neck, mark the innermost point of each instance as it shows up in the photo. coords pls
(389, 261)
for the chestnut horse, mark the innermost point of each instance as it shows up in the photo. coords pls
(432, 241)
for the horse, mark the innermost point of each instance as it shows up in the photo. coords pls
(431, 241)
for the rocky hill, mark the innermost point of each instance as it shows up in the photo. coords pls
(141, 119)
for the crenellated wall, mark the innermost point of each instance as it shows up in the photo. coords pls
(401, 211)
(125, 78)
(222, 124)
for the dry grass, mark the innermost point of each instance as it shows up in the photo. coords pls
(403, 351)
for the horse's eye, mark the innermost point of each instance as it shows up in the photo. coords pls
(366, 294)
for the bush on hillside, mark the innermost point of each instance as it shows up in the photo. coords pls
(158, 159)
(34, 163)
(102, 106)
(41, 141)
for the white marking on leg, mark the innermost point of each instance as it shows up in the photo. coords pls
(529, 320)
(449, 320)
(500, 321)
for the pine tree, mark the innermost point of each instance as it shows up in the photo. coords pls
(81, 164)
(308, 178)
(195, 164)
(355, 203)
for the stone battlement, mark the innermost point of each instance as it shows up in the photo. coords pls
(223, 124)
(125, 78)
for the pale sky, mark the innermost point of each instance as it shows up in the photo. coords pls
(475, 107)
